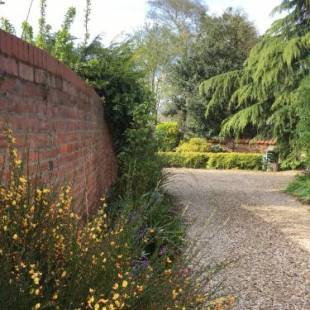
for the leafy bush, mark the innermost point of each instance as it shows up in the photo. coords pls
(217, 148)
(194, 145)
(300, 188)
(186, 160)
(212, 160)
(48, 259)
(303, 133)
(167, 136)
(293, 162)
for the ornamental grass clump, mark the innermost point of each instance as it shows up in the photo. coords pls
(50, 259)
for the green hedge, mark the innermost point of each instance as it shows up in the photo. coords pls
(184, 160)
(212, 160)
(246, 161)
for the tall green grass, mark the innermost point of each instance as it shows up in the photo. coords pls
(300, 188)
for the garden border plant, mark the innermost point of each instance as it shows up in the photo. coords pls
(49, 260)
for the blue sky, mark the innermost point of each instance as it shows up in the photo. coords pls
(114, 17)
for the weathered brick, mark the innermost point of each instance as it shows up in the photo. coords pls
(40, 76)
(26, 72)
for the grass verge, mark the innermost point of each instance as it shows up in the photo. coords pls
(300, 188)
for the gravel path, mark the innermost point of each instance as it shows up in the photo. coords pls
(244, 217)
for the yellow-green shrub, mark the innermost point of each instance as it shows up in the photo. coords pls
(167, 136)
(194, 145)
(212, 160)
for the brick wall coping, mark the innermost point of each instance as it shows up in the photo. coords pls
(23, 60)
(246, 141)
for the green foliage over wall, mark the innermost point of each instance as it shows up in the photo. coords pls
(251, 161)
(167, 136)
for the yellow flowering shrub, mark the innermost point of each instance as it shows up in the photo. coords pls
(50, 260)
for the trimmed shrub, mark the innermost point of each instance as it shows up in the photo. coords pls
(184, 160)
(235, 161)
(211, 160)
(167, 136)
(194, 145)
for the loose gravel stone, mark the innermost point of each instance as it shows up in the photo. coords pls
(245, 218)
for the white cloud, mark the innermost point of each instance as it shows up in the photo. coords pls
(108, 17)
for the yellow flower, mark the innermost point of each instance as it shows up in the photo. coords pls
(167, 272)
(115, 286)
(22, 180)
(174, 294)
(15, 237)
(112, 243)
(97, 307)
(36, 280)
(140, 288)
(124, 284)
(55, 296)
(37, 291)
(115, 296)
(63, 275)
(37, 306)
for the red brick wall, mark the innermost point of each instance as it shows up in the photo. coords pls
(246, 146)
(57, 118)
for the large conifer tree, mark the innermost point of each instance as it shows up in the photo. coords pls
(265, 92)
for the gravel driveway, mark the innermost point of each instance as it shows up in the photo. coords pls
(244, 217)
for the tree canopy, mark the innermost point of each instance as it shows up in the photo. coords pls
(264, 93)
(206, 57)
